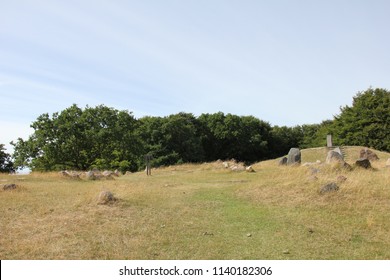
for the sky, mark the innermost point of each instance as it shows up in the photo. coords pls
(284, 62)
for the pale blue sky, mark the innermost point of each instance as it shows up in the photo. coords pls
(285, 62)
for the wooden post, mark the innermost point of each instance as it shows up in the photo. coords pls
(148, 158)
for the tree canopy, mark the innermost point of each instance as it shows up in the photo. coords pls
(6, 164)
(366, 122)
(106, 138)
(80, 139)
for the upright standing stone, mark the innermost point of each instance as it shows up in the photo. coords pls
(294, 156)
(334, 156)
(329, 142)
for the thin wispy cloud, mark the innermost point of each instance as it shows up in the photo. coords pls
(286, 62)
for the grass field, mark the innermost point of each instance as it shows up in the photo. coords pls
(202, 211)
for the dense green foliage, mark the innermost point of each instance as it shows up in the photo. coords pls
(107, 138)
(6, 164)
(79, 139)
(366, 122)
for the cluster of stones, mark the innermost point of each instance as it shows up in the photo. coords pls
(334, 157)
(105, 175)
(91, 175)
(233, 165)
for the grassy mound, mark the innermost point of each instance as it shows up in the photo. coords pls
(203, 211)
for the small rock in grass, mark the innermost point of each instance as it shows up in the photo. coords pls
(8, 187)
(332, 187)
(341, 179)
(106, 197)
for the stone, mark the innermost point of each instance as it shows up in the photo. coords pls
(341, 179)
(71, 175)
(338, 150)
(250, 169)
(332, 187)
(347, 166)
(8, 187)
(225, 164)
(368, 154)
(90, 175)
(313, 178)
(106, 197)
(364, 163)
(283, 161)
(313, 170)
(237, 168)
(109, 175)
(334, 156)
(294, 156)
(388, 163)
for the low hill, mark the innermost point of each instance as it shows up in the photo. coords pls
(202, 211)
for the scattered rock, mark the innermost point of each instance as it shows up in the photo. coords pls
(314, 171)
(310, 230)
(225, 164)
(338, 150)
(97, 175)
(286, 252)
(368, 154)
(90, 175)
(8, 187)
(294, 156)
(107, 173)
(332, 187)
(341, 179)
(250, 169)
(334, 156)
(208, 233)
(364, 163)
(106, 197)
(283, 161)
(346, 166)
(388, 163)
(71, 175)
(237, 168)
(313, 178)
(249, 235)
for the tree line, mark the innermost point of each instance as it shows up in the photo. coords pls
(106, 138)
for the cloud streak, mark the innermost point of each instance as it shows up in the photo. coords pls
(287, 63)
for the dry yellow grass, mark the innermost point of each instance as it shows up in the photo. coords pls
(201, 211)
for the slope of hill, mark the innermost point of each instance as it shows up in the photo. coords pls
(202, 211)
